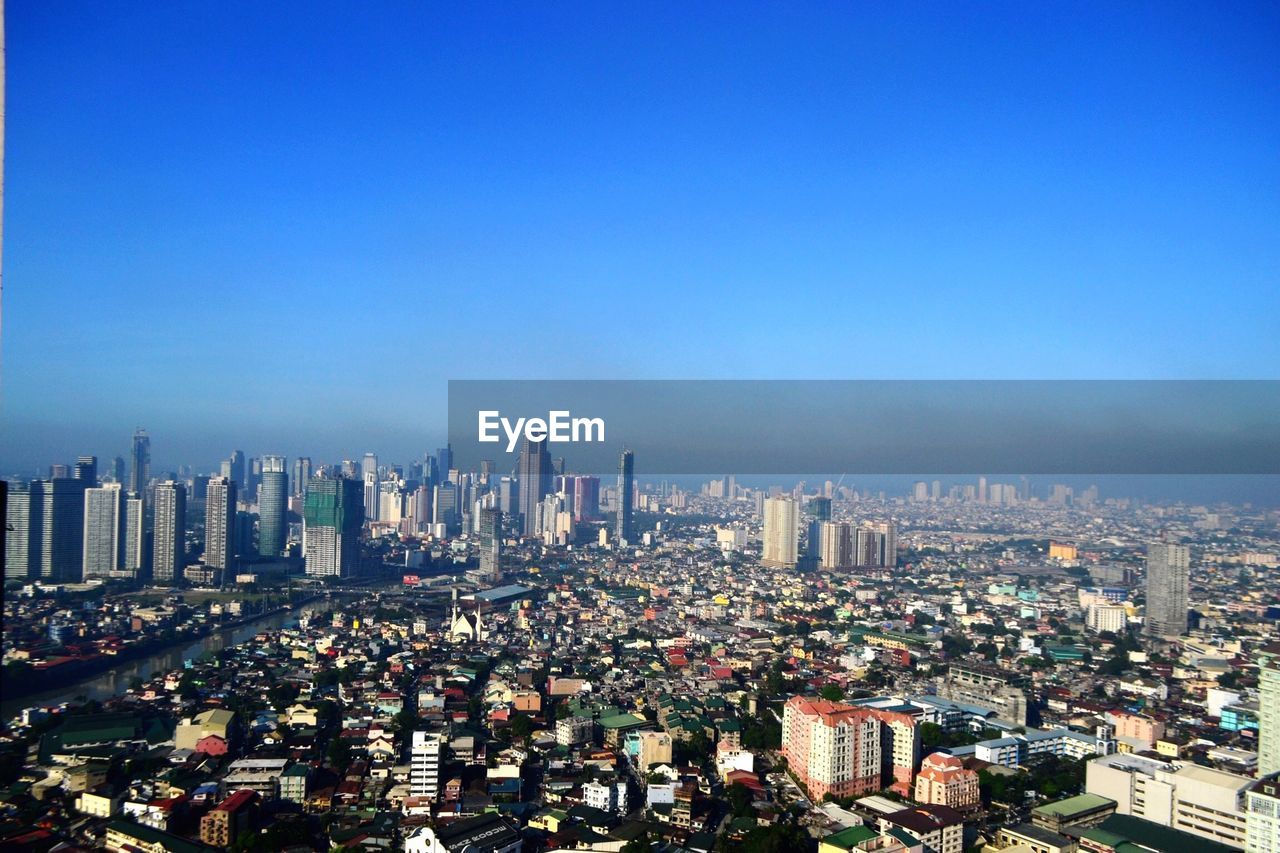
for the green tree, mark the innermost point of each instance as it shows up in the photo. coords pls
(831, 692)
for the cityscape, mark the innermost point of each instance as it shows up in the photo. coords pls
(589, 427)
(290, 653)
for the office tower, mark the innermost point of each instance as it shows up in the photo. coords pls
(254, 478)
(135, 537)
(246, 548)
(819, 510)
(982, 490)
(781, 532)
(424, 764)
(586, 498)
(301, 475)
(140, 462)
(87, 469)
(224, 470)
(332, 516)
(369, 465)
(1168, 574)
(169, 536)
(534, 474)
(62, 529)
(23, 524)
(509, 496)
(1269, 709)
(624, 524)
(422, 509)
(350, 469)
(444, 505)
(491, 543)
(835, 545)
(58, 471)
(369, 482)
(117, 470)
(390, 502)
(220, 524)
(104, 528)
(444, 461)
(239, 472)
(273, 507)
(935, 490)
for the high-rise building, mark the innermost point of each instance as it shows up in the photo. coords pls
(535, 481)
(832, 748)
(62, 529)
(1168, 576)
(1262, 816)
(239, 472)
(1269, 709)
(220, 524)
(104, 529)
(624, 524)
(819, 511)
(444, 505)
(444, 461)
(118, 470)
(140, 462)
(509, 496)
(876, 544)
(781, 532)
(87, 470)
(301, 475)
(586, 498)
(273, 507)
(135, 535)
(169, 536)
(332, 517)
(23, 526)
(491, 543)
(424, 764)
(835, 545)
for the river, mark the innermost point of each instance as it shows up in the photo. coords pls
(116, 680)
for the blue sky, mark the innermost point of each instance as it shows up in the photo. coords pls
(283, 227)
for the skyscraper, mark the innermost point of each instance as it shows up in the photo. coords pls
(169, 537)
(535, 481)
(586, 498)
(104, 528)
(62, 533)
(835, 544)
(273, 507)
(117, 470)
(135, 536)
(444, 461)
(301, 475)
(819, 510)
(239, 472)
(1168, 576)
(333, 514)
(140, 462)
(624, 524)
(491, 543)
(1268, 659)
(781, 532)
(87, 469)
(220, 524)
(23, 528)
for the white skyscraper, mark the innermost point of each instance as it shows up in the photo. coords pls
(781, 532)
(1269, 710)
(104, 517)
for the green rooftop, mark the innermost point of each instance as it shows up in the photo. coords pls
(846, 839)
(1074, 805)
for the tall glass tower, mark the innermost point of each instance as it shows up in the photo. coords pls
(624, 525)
(273, 507)
(140, 459)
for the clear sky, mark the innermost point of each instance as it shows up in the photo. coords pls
(283, 227)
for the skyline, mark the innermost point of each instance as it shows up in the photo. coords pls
(214, 233)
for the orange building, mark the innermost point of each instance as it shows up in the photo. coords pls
(831, 747)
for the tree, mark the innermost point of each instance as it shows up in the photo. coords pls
(740, 799)
(339, 754)
(521, 726)
(642, 843)
(831, 692)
